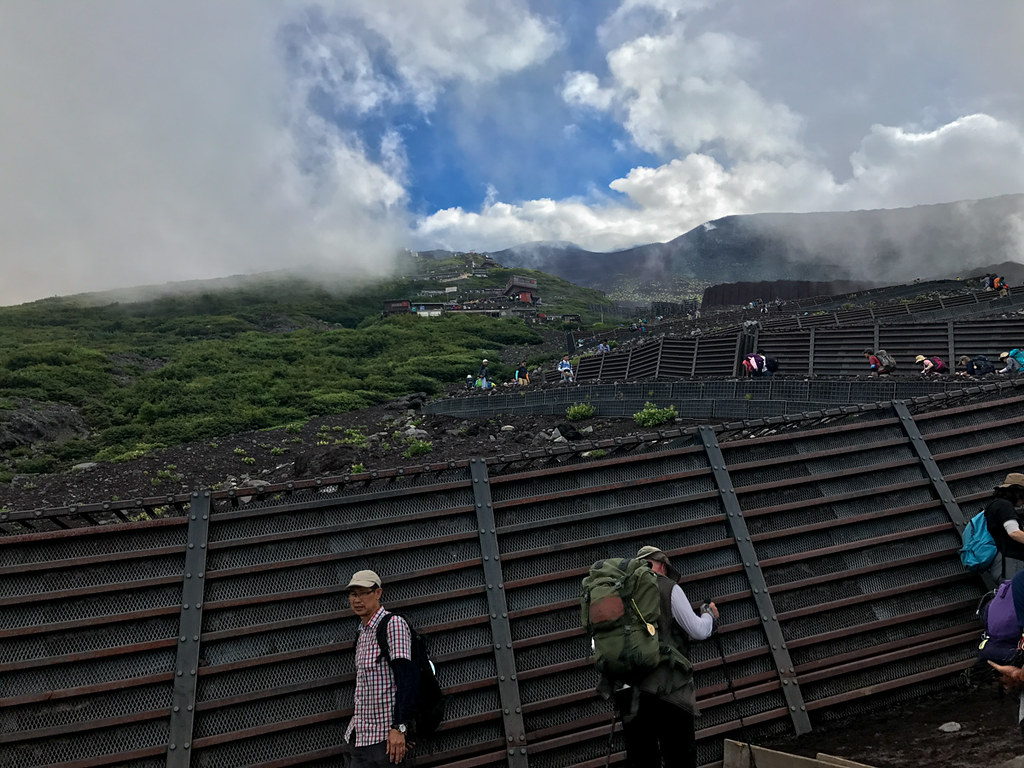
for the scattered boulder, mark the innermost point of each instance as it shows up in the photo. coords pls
(33, 423)
(336, 460)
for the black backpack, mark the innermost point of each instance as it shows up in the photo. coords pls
(771, 364)
(430, 701)
(982, 365)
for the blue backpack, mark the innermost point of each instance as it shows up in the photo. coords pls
(979, 548)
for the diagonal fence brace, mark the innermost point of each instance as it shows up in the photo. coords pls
(497, 608)
(190, 629)
(759, 588)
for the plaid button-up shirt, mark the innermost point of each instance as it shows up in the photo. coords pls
(375, 682)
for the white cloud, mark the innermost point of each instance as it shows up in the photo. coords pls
(693, 92)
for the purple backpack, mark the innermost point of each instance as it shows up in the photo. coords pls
(1002, 635)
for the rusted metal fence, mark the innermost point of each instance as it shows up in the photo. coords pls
(212, 631)
(807, 351)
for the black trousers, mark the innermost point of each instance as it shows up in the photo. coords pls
(376, 756)
(658, 734)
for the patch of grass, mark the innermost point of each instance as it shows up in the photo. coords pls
(653, 416)
(418, 448)
(277, 451)
(580, 411)
(358, 469)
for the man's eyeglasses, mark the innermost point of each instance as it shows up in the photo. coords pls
(360, 593)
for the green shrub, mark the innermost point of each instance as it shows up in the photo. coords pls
(579, 411)
(417, 448)
(358, 469)
(653, 416)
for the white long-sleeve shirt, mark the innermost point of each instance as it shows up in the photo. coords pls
(697, 627)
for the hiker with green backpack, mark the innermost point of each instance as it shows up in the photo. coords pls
(639, 623)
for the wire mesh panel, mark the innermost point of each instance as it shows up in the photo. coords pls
(278, 637)
(88, 637)
(553, 526)
(856, 549)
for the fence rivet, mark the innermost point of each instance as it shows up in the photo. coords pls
(192, 672)
(176, 708)
(183, 638)
(191, 546)
(494, 615)
(522, 737)
(179, 673)
(522, 751)
(195, 638)
(486, 558)
(497, 646)
(189, 707)
(518, 710)
(490, 586)
(785, 682)
(508, 645)
(502, 678)
(199, 605)
(774, 648)
(171, 746)
(792, 709)
(511, 752)
(184, 606)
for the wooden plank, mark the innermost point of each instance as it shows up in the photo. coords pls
(840, 762)
(738, 755)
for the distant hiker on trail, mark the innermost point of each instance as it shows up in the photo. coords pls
(753, 364)
(931, 364)
(522, 374)
(565, 368)
(483, 376)
(979, 365)
(470, 382)
(1013, 362)
(874, 364)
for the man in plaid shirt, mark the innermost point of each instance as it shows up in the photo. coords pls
(384, 693)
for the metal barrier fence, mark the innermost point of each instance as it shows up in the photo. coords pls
(834, 351)
(214, 632)
(728, 399)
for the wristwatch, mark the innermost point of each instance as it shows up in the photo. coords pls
(400, 727)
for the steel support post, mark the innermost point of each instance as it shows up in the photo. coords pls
(501, 630)
(759, 588)
(810, 355)
(931, 468)
(190, 628)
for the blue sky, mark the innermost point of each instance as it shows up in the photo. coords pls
(147, 141)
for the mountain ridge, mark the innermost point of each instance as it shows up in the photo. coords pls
(881, 245)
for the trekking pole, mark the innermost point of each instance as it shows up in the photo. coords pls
(732, 691)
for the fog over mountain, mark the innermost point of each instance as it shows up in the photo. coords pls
(891, 245)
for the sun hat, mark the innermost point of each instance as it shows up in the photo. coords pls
(919, 359)
(1003, 355)
(1014, 478)
(656, 555)
(485, 360)
(367, 579)
(869, 351)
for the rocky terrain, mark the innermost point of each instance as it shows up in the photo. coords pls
(393, 435)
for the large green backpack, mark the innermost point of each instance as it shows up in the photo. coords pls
(619, 610)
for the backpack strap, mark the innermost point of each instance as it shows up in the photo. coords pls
(382, 638)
